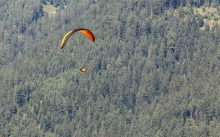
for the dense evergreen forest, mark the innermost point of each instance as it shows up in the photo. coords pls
(152, 71)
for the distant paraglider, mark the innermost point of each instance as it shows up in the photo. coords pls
(82, 69)
(86, 32)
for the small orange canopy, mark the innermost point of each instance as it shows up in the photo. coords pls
(86, 32)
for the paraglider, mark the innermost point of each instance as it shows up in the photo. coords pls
(82, 69)
(86, 32)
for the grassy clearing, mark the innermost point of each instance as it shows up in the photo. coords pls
(203, 11)
(49, 9)
(210, 15)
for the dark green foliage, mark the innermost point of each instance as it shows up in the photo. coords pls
(201, 22)
(152, 70)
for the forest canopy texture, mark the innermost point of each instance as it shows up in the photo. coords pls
(152, 71)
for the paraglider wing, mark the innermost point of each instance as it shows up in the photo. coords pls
(86, 32)
(65, 38)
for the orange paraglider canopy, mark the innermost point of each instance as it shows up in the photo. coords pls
(86, 32)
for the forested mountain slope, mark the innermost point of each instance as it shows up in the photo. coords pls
(152, 71)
